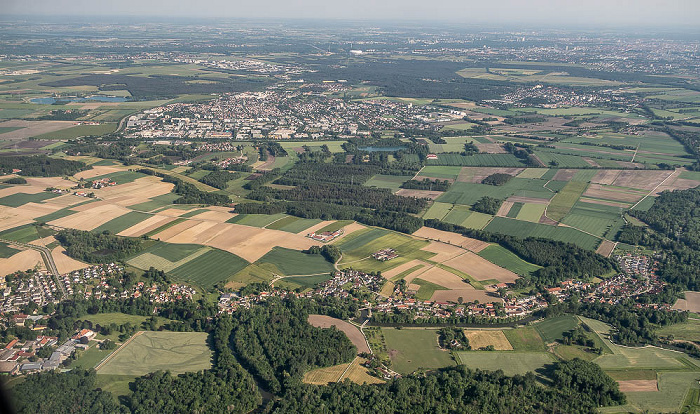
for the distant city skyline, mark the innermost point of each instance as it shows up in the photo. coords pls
(637, 14)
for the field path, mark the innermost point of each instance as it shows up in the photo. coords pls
(110, 356)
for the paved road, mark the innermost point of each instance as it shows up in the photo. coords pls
(48, 261)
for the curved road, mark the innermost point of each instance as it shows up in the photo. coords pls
(48, 261)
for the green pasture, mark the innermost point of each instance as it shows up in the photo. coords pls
(552, 329)
(524, 339)
(510, 362)
(292, 224)
(177, 352)
(505, 258)
(294, 262)
(392, 182)
(411, 349)
(20, 199)
(525, 229)
(564, 200)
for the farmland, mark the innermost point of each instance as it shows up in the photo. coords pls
(510, 362)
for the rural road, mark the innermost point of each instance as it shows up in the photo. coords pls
(48, 261)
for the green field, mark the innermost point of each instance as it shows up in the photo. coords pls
(510, 362)
(173, 252)
(531, 212)
(64, 212)
(80, 131)
(524, 339)
(392, 182)
(122, 223)
(256, 220)
(303, 282)
(686, 331)
(525, 229)
(25, 234)
(426, 289)
(505, 258)
(209, 268)
(469, 193)
(293, 262)
(551, 329)
(177, 352)
(20, 199)
(674, 391)
(564, 200)
(357, 251)
(437, 211)
(411, 349)
(293, 224)
(7, 251)
(440, 171)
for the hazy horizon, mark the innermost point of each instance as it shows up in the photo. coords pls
(628, 14)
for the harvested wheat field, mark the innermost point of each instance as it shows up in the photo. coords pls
(98, 170)
(64, 263)
(64, 201)
(92, 218)
(467, 295)
(352, 332)
(690, 303)
(440, 277)
(147, 225)
(442, 251)
(24, 260)
(30, 129)
(603, 203)
(176, 212)
(482, 339)
(201, 232)
(20, 189)
(480, 268)
(34, 210)
(451, 238)
(214, 215)
(638, 385)
(44, 182)
(136, 192)
(606, 248)
(606, 177)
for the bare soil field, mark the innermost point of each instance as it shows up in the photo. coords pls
(482, 339)
(31, 128)
(442, 251)
(147, 225)
(490, 148)
(480, 268)
(616, 194)
(690, 303)
(432, 195)
(677, 184)
(451, 238)
(477, 174)
(440, 277)
(91, 218)
(605, 177)
(64, 263)
(606, 248)
(591, 162)
(644, 179)
(564, 175)
(24, 260)
(638, 385)
(467, 295)
(604, 203)
(352, 332)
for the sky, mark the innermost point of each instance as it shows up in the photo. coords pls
(560, 13)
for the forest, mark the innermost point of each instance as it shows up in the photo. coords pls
(426, 184)
(40, 166)
(487, 205)
(219, 179)
(94, 247)
(461, 390)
